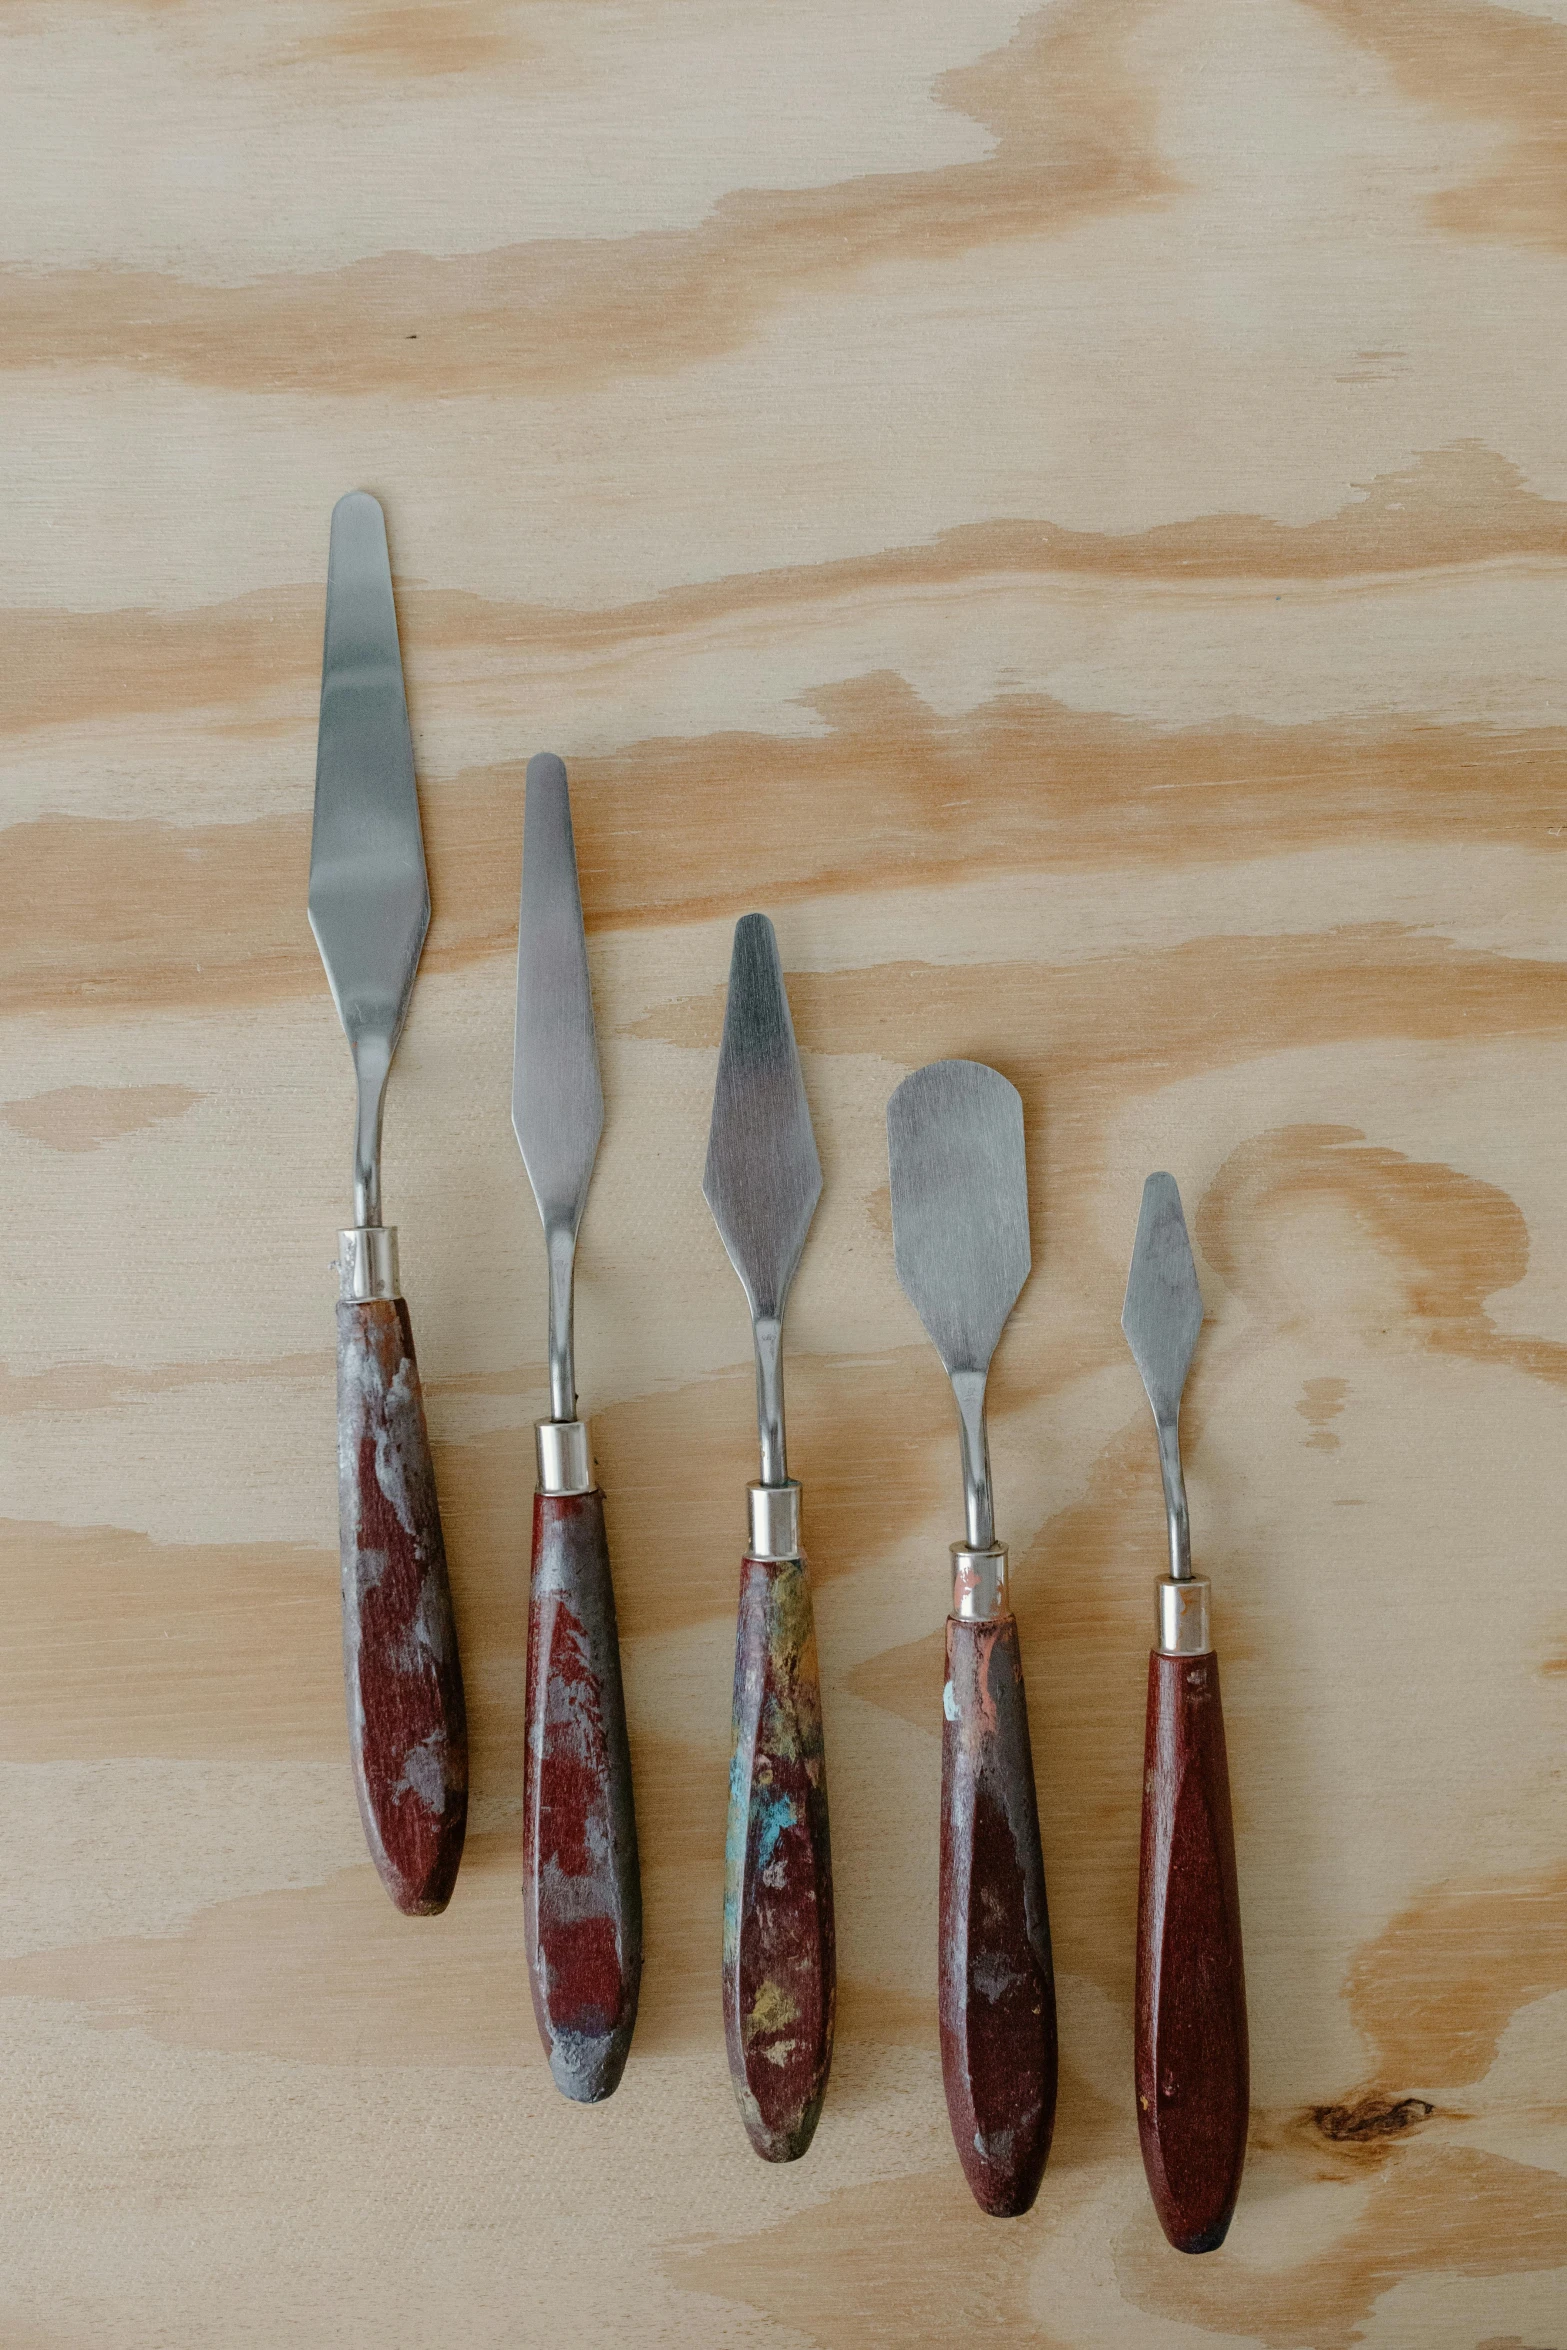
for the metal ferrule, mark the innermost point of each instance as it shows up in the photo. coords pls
(979, 1583)
(1183, 1616)
(564, 1456)
(775, 1521)
(367, 1263)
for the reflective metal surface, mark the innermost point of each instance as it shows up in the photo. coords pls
(775, 1521)
(564, 1456)
(367, 1263)
(369, 896)
(763, 1178)
(557, 1100)
(1161, 1317)
(1183, 1616)
(960, 1235)
(979, 1583)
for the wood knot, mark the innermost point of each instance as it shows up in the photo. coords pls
(1371, 2117)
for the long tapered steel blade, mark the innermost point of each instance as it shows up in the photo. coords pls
(763, 1177)
(1163, 1310)
(369, 894)
(557, 1099)
(959, 1205)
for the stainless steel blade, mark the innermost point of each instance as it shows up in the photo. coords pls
(960, 1234)
(1161, 1318)
(763, 1177)
(557, 1099)
(369, 893)
(959, 1205)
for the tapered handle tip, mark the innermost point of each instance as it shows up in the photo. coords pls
(779, 1945)
(586, 2067)
(408, 1731)
(582, 1887)
(1192, 2065)
(997, 2003)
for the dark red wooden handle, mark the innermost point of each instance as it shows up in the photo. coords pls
(780, 1974)
(407, 1727)
(997, 1991)
(1192, 2073)
(581, 1889)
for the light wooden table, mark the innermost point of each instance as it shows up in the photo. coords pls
(1068, 513)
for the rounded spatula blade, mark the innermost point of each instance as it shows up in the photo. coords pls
(959, 1205)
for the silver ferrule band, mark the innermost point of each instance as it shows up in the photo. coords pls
(775, 1521)
(367, 1263)
(564, 1456)
(979, 1583)
(1183, 1616)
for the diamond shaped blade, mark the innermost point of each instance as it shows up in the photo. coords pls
(763, 1177)
(1163, 1310)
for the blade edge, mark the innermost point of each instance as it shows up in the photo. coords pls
(557, 1089)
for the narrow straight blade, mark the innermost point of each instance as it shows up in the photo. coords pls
(369, 895)
(959, 1205)
(1163, 1310)
(763, 1178)
(557, 1101)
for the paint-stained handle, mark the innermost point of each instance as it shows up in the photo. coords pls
(408, 1731)
(780, 1979)
(997, 1989)
(1192, 2072)
(582, 1893)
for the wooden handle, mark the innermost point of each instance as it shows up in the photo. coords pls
(407, 1727)
(997, 1990)
(581, 1890)
(780, 1975)
(1192, 2075)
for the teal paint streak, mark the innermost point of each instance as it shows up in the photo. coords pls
(773, 1816)
(734, 1848)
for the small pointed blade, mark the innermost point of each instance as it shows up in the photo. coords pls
(763, 1177)
(1163, 1310)
(959, 1205)
(369, 895)
(557, 1100)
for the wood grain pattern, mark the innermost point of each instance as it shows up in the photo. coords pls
(1065, 505)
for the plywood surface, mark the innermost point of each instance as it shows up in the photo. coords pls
(1068, 512)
